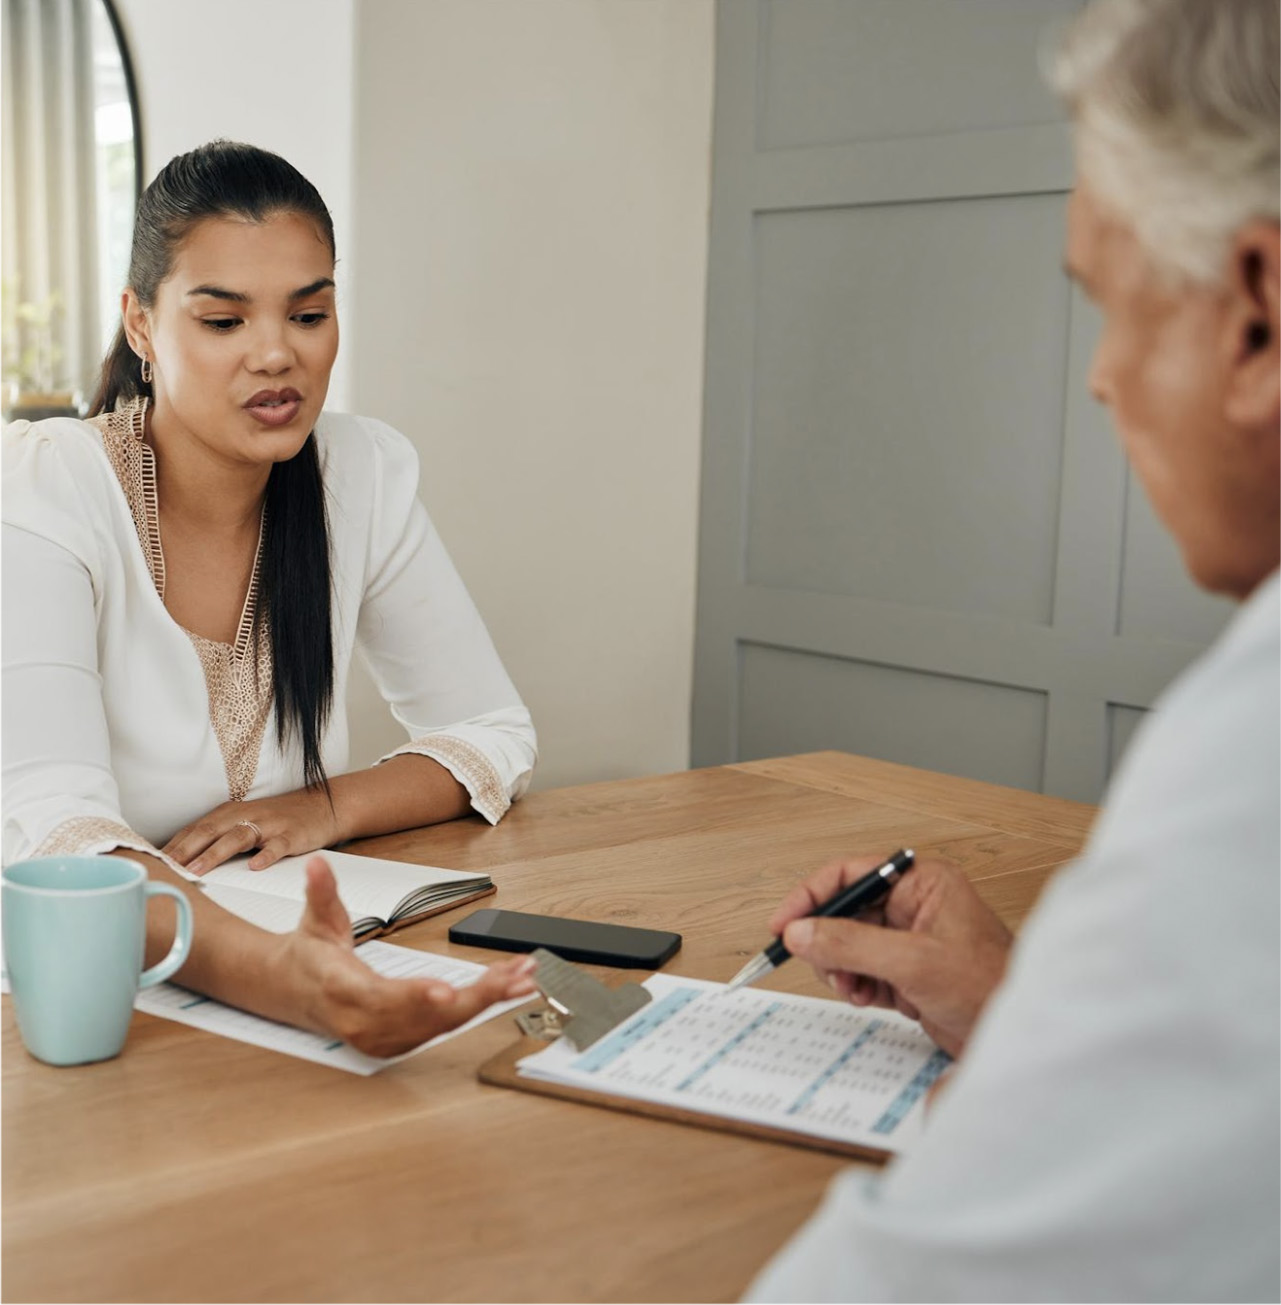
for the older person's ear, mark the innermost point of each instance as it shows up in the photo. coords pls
(1254, 325)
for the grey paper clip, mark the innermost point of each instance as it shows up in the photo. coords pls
(582, 1009)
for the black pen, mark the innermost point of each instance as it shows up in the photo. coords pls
(861, 894)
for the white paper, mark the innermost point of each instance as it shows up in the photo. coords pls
(266, 910)
(173, 1003)
(800, 1063)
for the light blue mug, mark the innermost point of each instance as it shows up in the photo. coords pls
(74, 932)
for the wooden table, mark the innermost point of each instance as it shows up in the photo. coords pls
(195, 1168)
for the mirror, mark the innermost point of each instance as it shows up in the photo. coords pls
(71, 179)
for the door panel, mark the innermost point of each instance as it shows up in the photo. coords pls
(792, 701)
(918, 537)
(835, 71)
(883, 442)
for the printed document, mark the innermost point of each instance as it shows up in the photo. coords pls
(808, 1065)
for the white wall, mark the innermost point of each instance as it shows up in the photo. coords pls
(522, 187)
(273, 73)
(532, 185)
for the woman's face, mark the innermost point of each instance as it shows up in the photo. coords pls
(242, 336)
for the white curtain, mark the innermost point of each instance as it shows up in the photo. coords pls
(49, 243)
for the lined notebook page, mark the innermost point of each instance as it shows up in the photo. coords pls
(367, 885)
(266, 910)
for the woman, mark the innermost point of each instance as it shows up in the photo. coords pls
(186, 576)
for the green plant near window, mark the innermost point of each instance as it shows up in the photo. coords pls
(33, 372)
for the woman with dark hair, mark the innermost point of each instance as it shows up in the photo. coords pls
(187, 574)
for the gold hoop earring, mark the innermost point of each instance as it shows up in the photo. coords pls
(147, 371)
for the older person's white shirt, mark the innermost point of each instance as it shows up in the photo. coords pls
(107, 733)
(1112, 1133)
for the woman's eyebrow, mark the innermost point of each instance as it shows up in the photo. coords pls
(237, 296)
(217, 292)
(324, 283)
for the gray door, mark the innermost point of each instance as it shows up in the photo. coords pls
(919, 539)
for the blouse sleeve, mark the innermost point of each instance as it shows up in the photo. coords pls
(60, 794)
(428, 650)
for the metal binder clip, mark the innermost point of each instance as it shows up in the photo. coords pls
(582, 1009)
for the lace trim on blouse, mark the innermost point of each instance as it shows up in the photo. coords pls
(238, 676)
(468, 765)
(83, 835)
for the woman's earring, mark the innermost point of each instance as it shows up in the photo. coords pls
(147, 371)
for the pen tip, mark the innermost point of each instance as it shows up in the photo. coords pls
(757, 966)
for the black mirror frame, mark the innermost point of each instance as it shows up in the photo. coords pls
(131, 87)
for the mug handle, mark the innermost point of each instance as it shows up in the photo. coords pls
(181, 939)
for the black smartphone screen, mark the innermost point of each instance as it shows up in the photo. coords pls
(573, 940)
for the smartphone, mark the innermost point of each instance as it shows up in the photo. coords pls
(573, 940)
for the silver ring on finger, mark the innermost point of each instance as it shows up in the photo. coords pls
(253, 829)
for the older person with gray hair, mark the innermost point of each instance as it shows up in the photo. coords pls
(1111, 1129)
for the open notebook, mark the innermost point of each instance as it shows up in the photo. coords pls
(379, 895)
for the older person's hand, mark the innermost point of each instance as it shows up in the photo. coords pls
(934, 951)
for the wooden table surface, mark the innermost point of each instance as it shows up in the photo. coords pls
(195, 1168)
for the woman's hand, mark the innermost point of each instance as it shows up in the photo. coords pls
(933, 950)
(288, 825)
(332, 991)
(398, 794)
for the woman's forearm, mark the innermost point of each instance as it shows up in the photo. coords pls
(230, 959)
(402, 793)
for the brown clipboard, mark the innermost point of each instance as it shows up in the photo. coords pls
(500, 1071)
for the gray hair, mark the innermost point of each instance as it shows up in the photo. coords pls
(1178, 118)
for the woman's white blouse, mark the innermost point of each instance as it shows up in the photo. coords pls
(108, 740)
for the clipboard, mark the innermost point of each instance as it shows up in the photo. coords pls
(584, 1010)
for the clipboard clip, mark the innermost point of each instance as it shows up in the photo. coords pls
(580, 1008)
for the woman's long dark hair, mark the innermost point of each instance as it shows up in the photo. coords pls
(224, 179)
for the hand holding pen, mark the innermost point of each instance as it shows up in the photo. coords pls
(933, 951)
(859, 896)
